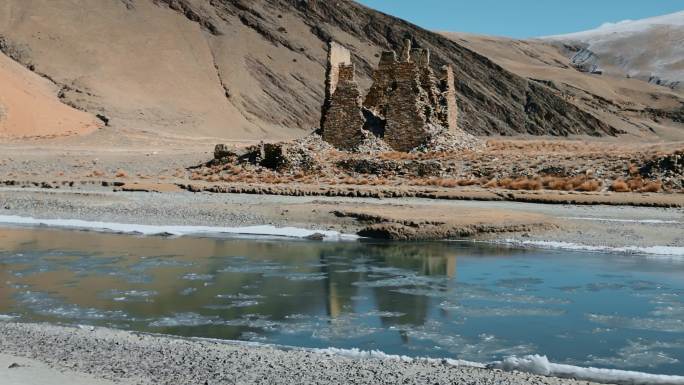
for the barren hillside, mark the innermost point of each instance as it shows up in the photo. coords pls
(632, 105)
(239, 69)
(30, 108)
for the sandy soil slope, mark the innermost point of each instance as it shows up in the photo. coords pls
(253, 69)
(30, 108)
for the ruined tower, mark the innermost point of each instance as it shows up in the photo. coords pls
(341, 120)
(406, 96)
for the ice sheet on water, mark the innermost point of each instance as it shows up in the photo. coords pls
(185, 319)
(188, 291)
(197, 277)
(44, 304)
(668, 305)
(499, 311)
(519, 283)
(671, 325)
(157, 262)
(482, 348)
(400, 281)
(640, 354)
(341, 328)
(130, 295)
(297, 276)
(255, 267)
(382, 314)
(239, 296)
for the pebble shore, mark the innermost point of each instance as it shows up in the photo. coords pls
(135, 358)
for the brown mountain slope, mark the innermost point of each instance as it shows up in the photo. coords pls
(30, 108)
(631, 105)
(253, 69)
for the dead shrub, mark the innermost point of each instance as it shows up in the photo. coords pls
(635, 184)
(590, 185)
(620, 185)
(652, 186)
(491, 184)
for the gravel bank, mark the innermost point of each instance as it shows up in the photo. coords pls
(134, 358)
(601, 226)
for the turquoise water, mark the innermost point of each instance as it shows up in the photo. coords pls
(459, 300)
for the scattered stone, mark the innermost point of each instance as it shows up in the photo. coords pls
(316, 237)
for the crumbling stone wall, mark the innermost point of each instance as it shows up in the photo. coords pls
(337, 56)
(449, 110)
(343, 122)
(406, 99)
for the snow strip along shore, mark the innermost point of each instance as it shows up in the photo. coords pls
(533, 364)
(536, 364)
(172, 230)
(674, 252)
(146, 358)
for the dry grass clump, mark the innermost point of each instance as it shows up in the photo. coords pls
(652, 186)
(578, 183)
(619, 185)
(636, 184)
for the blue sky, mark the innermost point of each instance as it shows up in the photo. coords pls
(521, 18)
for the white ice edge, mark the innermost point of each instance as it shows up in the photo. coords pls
(537, 364)
(532, 364)
(640, 221)
(174, 230)
(667, 251)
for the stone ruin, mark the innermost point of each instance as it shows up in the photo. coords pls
(405, 106)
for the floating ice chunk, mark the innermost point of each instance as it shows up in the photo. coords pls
(519, 283)
(671, 325)
(188, 291)
(498, 311)
(239, 296)
(296, 276)
(640, 354)
(537, 364)
(131, 295)
(7, 317)
(185, 319)
(197, 277)
(44, 304)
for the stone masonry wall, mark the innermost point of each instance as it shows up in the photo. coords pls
(337, 55)
(449, 108)
(406, 111)
(343, 124)
(406, 97)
